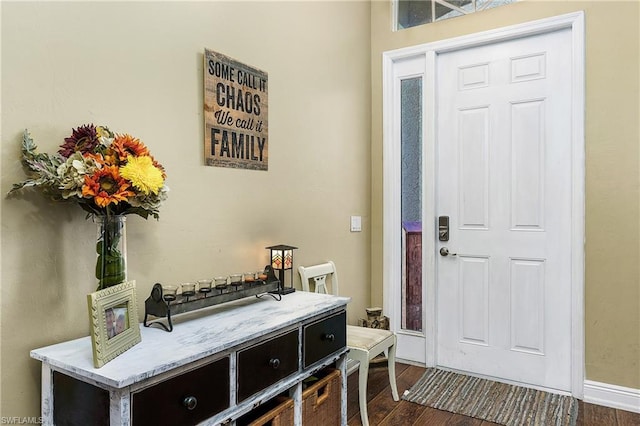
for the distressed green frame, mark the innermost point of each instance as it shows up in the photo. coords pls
(106, 349)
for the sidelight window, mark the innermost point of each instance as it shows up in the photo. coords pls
(411, 203)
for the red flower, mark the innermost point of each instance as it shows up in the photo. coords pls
(83, 139)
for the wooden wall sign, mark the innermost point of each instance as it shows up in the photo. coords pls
(236, 130)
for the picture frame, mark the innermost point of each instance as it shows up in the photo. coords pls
(113, 321)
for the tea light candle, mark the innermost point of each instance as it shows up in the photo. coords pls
(261, 275)
(188, 289)
(249, 277)
(236, 279)
(220, 282)
(204, 286)
(169, 292)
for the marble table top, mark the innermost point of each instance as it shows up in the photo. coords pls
(196, 335)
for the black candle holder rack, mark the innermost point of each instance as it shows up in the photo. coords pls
(159, 305)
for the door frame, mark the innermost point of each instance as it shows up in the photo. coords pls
(392, 186)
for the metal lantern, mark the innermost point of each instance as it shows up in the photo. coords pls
(281, 261)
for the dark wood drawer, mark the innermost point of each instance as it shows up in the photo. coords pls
(324, 337)
(78, 403)
(266, 363)
(186, 399)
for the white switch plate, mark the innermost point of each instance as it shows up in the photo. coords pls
(356, 223)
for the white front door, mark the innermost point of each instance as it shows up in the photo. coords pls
(504, 179)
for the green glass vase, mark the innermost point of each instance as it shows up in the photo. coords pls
(111, 250)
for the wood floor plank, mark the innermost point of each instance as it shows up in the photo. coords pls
(380, 407)
(383, 403)
(460, 420)
(580, 419)
(408, 378)
(627, 418)
(354, 420)
(377, 384)
(597, 415)
(379, 379)
(404, 413)
(434, 417)
(353, 407)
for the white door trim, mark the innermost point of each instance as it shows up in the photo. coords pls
(392, 186)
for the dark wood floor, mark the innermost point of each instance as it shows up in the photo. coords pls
(383, 410)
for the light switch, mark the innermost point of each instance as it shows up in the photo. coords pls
(356, 223)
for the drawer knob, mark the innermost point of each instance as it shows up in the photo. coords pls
(274, 363)
(190, 402)
(329, 337)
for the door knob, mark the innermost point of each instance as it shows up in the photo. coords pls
(445, 252)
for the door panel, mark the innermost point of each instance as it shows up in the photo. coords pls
(504, 177)
(473, 192)
(527, 305)
(473, 275)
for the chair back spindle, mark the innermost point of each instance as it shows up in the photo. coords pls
(320, 274)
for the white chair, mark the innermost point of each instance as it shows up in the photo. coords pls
(364, 343)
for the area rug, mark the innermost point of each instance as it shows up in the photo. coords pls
(492, 401)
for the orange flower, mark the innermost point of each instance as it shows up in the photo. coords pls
(98, 158)
(106, 187)
(126, 144)
(160, 167)
(110, 157)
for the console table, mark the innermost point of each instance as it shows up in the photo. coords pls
(218, 364)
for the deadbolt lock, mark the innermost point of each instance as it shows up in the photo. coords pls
(443, 228)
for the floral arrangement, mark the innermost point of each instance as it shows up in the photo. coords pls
(104, 173)
(108, 175)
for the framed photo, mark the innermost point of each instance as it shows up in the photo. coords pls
(113, 319)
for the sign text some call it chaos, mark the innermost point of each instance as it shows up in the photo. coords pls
(230, 73)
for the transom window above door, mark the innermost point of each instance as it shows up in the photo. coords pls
(410, 13)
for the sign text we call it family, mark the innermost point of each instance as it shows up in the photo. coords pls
(235, 114)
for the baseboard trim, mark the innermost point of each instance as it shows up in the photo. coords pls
(612, 396)
(410, 362)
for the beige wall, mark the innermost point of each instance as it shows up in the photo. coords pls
(612, 293)
(137, 67)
